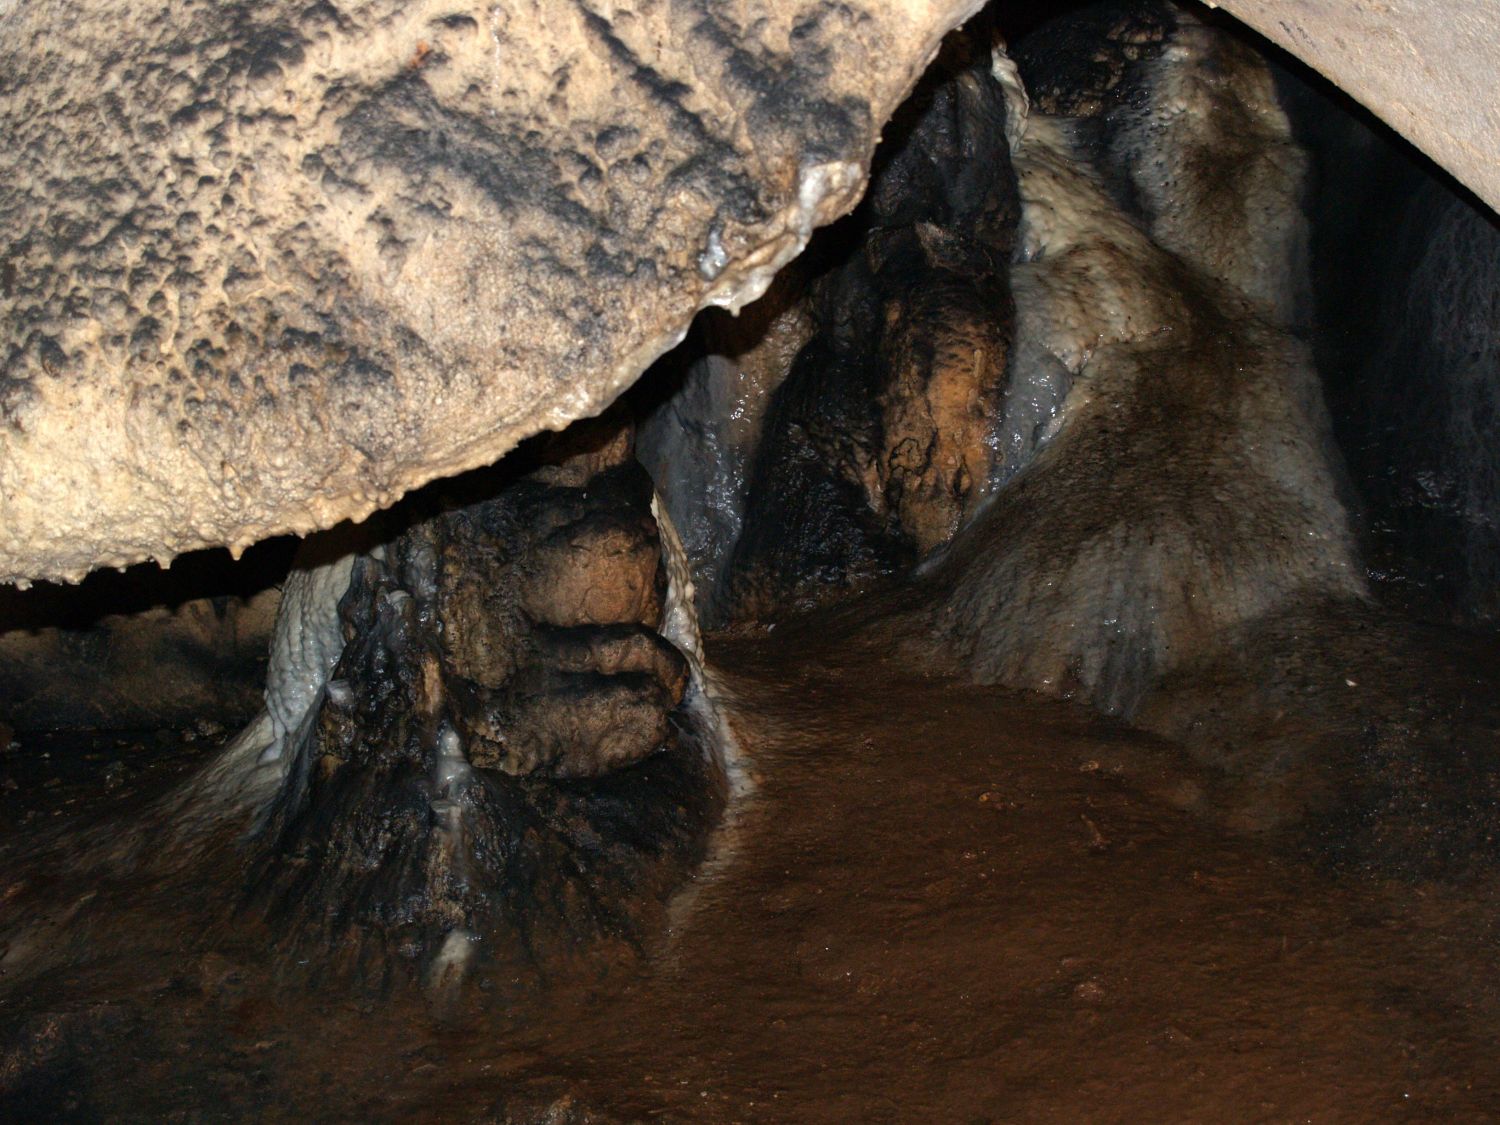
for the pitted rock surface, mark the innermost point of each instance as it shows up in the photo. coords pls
(266, 267)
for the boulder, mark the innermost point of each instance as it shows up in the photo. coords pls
(267, 267)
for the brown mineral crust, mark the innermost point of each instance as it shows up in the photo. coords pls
(549, 597)
(614, 650)
(422, 803)
(1077, 67)
(947, 342)
(583, 725)
(596, 571)
(270, 266)
(880, 441)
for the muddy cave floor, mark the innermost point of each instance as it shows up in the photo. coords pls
(940, 903)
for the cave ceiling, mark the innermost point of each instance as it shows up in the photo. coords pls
(267, 267)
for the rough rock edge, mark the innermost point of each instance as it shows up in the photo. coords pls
(99, 514)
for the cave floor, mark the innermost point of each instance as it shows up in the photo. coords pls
(938, 903)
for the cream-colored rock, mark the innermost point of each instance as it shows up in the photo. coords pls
(268, 266)
(1427, 67)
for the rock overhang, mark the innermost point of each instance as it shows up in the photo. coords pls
(281, 263)
(267, 267)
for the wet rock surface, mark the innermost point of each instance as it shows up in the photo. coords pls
(1014, 930)
(881, 440)
(490, 773)
(499, 769)
(1181, 551)
(1056, 357)
(1059, 359)
(1079, 64)
(1370, 735)
(1188, 484)
(1166, 530)
(703, 411)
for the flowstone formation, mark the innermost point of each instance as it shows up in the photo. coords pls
(498, 762)
(1053, 363)
(272, 266)
(1189, 483)
(1049, 379)
(486, 749)
(882, 441)
(1055, 392)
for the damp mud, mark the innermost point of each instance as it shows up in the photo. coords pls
(933, 902)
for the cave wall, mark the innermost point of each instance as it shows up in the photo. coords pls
(703, 414)
(270, 266)
(1413, 405)
(1432, 399)
(862, 427)
(142, 649)
(1406, 268)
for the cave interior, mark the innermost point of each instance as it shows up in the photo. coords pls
(1073, 585)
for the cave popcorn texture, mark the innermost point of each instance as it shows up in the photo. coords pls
(271, 266)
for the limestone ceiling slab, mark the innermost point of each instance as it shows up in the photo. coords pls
(1427, 67)
(266, 266)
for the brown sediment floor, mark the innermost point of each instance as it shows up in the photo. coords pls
(940, 903)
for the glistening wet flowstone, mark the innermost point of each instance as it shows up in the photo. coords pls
(882, 440)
